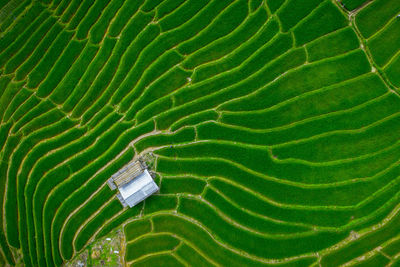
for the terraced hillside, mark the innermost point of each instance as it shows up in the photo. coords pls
(274, 126)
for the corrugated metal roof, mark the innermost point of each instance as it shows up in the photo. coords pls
(134, 184)
(135, 198)
(111, 185)
(142, 194)
(138, 189)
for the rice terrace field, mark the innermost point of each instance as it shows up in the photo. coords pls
(273, 127)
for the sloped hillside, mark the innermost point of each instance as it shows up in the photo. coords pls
(274, 126)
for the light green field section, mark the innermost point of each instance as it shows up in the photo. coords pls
(274, 126)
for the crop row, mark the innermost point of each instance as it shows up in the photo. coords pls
(300, 204)
(378, 24)
(264, 139)
(169, 230)
(206, 250)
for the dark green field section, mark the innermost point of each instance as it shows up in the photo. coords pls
(379, 26)
(274, 128)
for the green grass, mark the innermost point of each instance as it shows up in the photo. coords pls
(353, 4)
(325, 19)
(160, 259)
(79, 218)
(29, 46)
(382, 46)
(228, 43)
(292, 13)
(339, 42)
(392, 71)
(374, 16)
(189, 185)
(11, 38)
(363, 244)
(272, 126)
(377, 23)
(150, 244)
(88, 230)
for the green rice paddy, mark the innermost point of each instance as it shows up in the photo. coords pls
(274, 126)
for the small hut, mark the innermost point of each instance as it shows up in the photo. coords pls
(134, 184)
